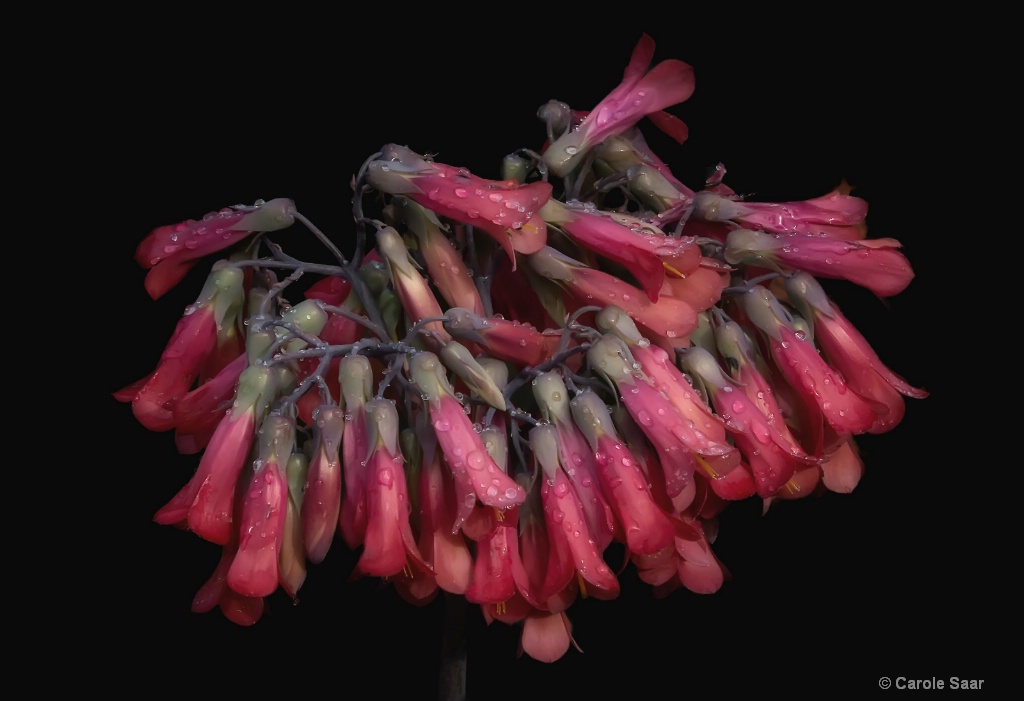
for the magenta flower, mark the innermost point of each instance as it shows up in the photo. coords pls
(169, 252)
(875, 264)
(505, 210)
(237, 608)
(641, 93)
(197, 414)
(504, 339)
(261, 526)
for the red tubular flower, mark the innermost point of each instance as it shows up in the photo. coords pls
(849, 352)
(875, 264)
(477, 476)
(291, 563)
(188, 351)
(197, 414)
(836, 215)
(321, 503)
(261, 527)
(505, 210)
(389, 546)
(670, 317)
(205, 504)
(641, 93)
(169, 252)
(647, 529)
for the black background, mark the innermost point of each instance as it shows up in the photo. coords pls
(827, 594)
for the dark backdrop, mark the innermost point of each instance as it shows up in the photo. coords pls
(827, 594)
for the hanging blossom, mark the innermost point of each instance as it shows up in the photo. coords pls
(509, 390)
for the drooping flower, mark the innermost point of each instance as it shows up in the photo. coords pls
(170, 251)
(505, 210)
(417, 299)
(356, 380)
(850, 353)
(508, 340)
(389, 546)
(187, 353)
(291, 562)
(261, 527)
(205, 504)
(321, 503)
(477, 476)
(641, 93)
(837, 214)
(875, 264)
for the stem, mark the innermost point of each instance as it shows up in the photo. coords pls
(451, 682)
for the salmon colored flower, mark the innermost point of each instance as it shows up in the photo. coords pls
(875, 264)
(446, 550)
(169, 252)
(641, 93)
(505, 210)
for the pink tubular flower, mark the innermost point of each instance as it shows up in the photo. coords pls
(188, 351)
(448, 272)
(389, 546)
(356, 380)
(497, 566)
(321, 504)
(291, 562)
(205, 504)
(837, 215)
(670, 317)
(641, 93)
(875, 264)
(261, 527)
(197, 414)
(850, 353)
(505, 210)
(646, 527)
(565, 520)
(477, 476)
(237, 608)
(169, 252)
(818, 383)
(638, 246)
(507, 340)
(546, 636)
(576, 456)
(773, 458)
(417, 299)
(444, 549)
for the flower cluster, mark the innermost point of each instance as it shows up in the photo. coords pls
(511, 389)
